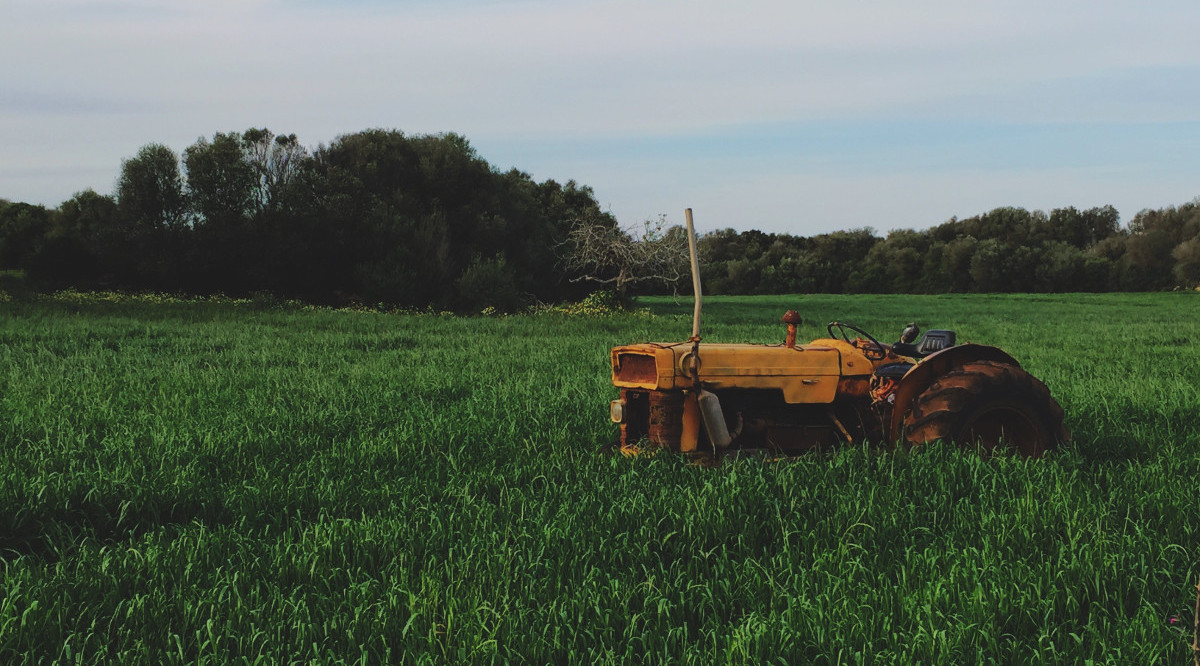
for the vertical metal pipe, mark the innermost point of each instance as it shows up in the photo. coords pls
(691, 232)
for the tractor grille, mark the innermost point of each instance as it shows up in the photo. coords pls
(654, 416)
(636, 369)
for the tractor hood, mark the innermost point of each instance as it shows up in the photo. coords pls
(804, 373)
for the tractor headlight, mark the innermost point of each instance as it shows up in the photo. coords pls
(616, 411)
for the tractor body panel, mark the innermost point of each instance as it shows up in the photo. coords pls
(805, 374)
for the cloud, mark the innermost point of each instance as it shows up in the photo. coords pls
(569, 85)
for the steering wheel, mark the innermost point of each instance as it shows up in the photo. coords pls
(873, 351)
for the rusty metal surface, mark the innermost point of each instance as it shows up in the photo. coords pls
(635, 369)
(803, 375)
(666, 418)
(660, 356)
(882, 388)
(858, 386)
(689, 440)
(792, 319)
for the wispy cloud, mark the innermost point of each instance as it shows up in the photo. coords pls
(677, 92)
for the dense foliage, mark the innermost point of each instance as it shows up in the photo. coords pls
(1005, 250)
(376, 216)
(379, 216)
(240, 483)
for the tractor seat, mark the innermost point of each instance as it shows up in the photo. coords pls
(933, 341)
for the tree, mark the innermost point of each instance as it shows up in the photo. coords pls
(1148, 262)
(1187, 262)
(23, 229)
(488, 283)
(378, 222)
(957, 258)
(896, 264)
(419, 220)
(1061, 268)
(90, 216)
(276, 160)
(221, 184)
(1012, 226)
(83, 244)
(1082, 229)
(838, 255)
(226, 249)
(150, 189)
(997, 267)
(600, 251)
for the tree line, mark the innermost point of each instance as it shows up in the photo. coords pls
(374, 217)
(1004, 250)
(415, 221)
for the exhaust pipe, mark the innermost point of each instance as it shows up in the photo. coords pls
(714, 420)
(710, 405)
(691, 232)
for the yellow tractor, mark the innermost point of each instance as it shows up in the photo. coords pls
(843, 389)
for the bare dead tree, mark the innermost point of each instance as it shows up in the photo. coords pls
(608, 254)
(275, 159)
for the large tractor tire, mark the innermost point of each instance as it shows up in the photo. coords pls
(989, 405)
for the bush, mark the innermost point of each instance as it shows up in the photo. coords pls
(488, 284)
(14, 287)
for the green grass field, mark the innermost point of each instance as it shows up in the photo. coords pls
(227, 483)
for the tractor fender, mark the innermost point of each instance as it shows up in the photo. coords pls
(925, 373)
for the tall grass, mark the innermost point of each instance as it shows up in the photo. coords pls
(217, 482)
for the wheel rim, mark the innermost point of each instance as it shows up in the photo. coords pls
(1005, 425)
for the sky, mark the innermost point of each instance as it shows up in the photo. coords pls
(785, 116)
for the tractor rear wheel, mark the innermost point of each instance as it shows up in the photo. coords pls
(987, 404)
